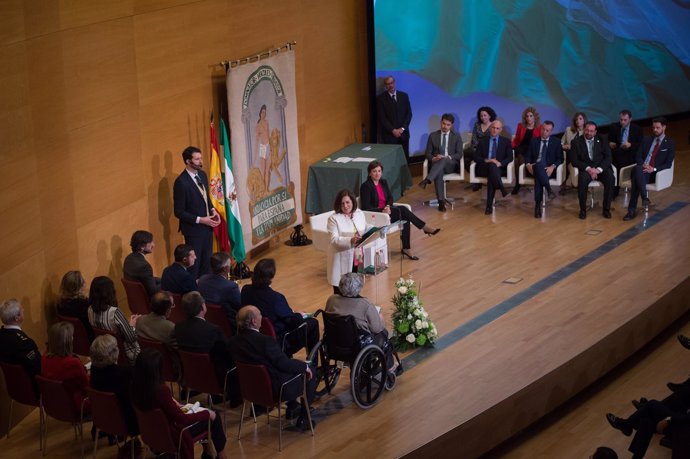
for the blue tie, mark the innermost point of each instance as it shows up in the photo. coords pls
(494, 143)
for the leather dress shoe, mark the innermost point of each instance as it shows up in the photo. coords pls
(442, 205)
(583, 214)
(537, 211)
(684, 341)
(645, 203)
(423, 184)
(606, 213)
(619, 423)
(516, 189)
(630, 215)
(476, 187)
(638, 403)
(675, 387)
(489, 211)
(303, 424)
(552, 195)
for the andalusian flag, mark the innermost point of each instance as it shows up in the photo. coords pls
(233, 215)
(215, 179)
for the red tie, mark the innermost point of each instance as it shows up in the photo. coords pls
(654, 152)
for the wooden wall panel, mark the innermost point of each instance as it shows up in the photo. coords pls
(77, 13)
(11, 21)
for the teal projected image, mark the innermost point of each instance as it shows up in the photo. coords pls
(561, 56)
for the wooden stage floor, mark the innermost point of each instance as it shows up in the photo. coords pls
(586, 295)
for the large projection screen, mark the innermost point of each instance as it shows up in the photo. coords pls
(561, 56)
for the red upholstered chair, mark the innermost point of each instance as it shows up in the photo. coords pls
(158, 438)
(107, 416)
(200, 375)
(216, 315)
(122, 357)
(256, 388)
(177, 314)
(169, 371)
(137, 298)
(58, 403)
(81, 344)
(20, 388)
(267, 328)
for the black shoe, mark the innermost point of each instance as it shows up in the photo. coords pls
(489, 211)
(606, 214)
(630, 215)
(293, 410)
(684, 341)
(411, 257)
(645, 203)
(638, 403)
(675, 387)
(303, 424)
(476, 187)
(537, 211)
(619, 424)
(563, 191)
(442, 205)
(516, 189)
(433, 232)
(552, 195)
(205, 455)
(423, 184)
(583, 214)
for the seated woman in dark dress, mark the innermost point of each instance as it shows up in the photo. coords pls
(73, 302)
(150, 392)
(375, 195)
(107, 376)
(275, 307)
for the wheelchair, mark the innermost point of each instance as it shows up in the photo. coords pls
(343, 344)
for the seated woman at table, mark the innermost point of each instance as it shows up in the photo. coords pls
(275, 307)
(375, 195)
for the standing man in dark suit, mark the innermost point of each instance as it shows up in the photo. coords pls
(193, 207)
(624, 141)
(493, 154)
(444, 153)
(135, 266)
(176, 278)
(395, 114)
(592, 158)
(655, 154)
(543, 156)
(15, 346)
(250, 346)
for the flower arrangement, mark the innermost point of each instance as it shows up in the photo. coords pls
(411, 324)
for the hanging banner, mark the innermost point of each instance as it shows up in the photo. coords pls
(265, 151)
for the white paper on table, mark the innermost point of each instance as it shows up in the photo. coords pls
(343, 159)
(361, 159)
(367, 148)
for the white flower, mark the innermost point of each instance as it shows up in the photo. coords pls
(409, 317)
(416, 312)
(402, 290)
(425, 324)
(418, 324)
(410, 338)
(415, 301)
(425, 314)
(410, 282)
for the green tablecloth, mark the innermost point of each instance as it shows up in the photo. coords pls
(327, 177)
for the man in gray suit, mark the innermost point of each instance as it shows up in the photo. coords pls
(444, 152)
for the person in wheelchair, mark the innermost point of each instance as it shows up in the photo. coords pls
(369, 321)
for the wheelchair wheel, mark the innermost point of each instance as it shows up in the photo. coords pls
(327, 370)
(368, 376)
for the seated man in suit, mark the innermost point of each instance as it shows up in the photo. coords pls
(250, 346)
(135, 266)
(216, 288)
(197, 335)
(543, 156)
(624, 141)
(176, 278)
(155, 325)
(444, 152)
(15, 346)
(655, 154)
(592, 158)
(492, 156)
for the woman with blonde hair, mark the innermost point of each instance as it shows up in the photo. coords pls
(529, 128)
(73, 302)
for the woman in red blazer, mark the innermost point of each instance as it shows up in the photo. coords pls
(529, 128)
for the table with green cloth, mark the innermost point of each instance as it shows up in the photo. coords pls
(327, 176)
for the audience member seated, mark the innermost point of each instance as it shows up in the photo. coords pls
(369, 321)
(104, 314)
(60, 364)
(155, 325)
(216, 288)
(176, 278)
(73, 302)
(274, 305)
(649, 416)
(250, 346)
(197, 335)
(150, 392)
(135, 266)
(108, 376)
(575, 130)
(529, 128)
(485, 116)
(15, 346)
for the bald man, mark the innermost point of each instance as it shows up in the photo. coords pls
(492, 157)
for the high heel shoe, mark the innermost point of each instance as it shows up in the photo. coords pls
(411, 257)
(433, 232)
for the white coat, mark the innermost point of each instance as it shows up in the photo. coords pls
(340, 252)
